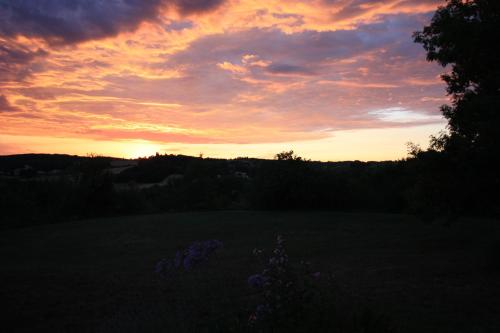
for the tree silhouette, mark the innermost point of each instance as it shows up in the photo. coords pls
(287, 156)
(464, 35)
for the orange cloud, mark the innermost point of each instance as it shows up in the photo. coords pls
(216, 72)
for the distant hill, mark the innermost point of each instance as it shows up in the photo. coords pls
(43, 162)
(50, 188)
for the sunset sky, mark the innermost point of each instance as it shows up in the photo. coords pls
(330, 79)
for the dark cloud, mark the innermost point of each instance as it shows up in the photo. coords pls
(179, 25)
(196, 6)
(5, 106)
(287, 69)
(73, 21)
(17, 61)
(297, 19)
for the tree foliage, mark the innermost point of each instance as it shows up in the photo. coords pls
(288, 156)
(464, 35)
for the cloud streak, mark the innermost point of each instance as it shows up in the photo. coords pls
(214, 71)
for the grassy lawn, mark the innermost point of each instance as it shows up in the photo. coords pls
(97, 275)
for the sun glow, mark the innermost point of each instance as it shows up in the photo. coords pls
(142, 149)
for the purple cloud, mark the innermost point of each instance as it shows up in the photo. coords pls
(287, 69)
(16, 61)
(187, 7)
(5, 106)
(74, 21)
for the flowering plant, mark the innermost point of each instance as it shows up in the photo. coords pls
(194, 255)
(285, 292)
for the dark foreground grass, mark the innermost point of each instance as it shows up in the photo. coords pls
(97, 275)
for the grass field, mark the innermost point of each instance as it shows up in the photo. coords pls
(97, 275)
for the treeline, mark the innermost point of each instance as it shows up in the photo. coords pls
(87, 187)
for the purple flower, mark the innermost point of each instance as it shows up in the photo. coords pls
(164, 267)
(199, 252)
(189, 262)
(196, 253)
(257, 281)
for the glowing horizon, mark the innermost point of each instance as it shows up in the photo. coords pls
(332, 80)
